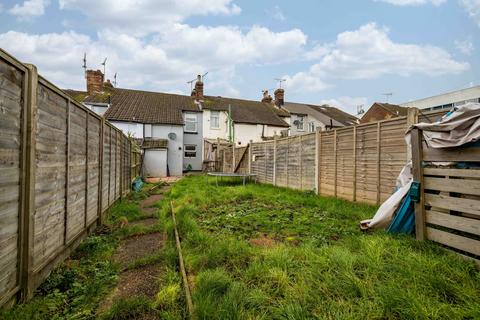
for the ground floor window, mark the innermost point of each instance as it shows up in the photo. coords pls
(190, 151)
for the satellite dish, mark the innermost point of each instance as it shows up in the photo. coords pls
(172, 136)
(296, 122)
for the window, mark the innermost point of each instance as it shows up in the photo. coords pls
(299, 123)
(190, 122)
(214, 119)
(311, 127)
(190, 151)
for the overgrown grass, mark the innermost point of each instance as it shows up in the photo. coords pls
(76, 287)
(317, 263)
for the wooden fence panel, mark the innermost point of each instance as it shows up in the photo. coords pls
(308, 162)
(50, 176)
(327, 163)
(12, 96)
(93, 165)
(258, 163)
(50, 218)
(366, 165)
(449, 210)
(345, 164)
(269, 161)
(281, 173)
(77, 179)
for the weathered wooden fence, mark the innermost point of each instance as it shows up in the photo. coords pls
(449, 208)
(358, 163)
(61, 167)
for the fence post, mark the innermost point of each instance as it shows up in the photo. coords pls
(300, 140)
(335, 161)
(265, 160)
(354, 195)
(249, 158)
(286, 162)
(412, 118)
(318, 137)
(86, 168)
(67, 175)
(378, 163)
(101, 141)
(233, 157)
(417, 171)
(28, 184)
(275, 160)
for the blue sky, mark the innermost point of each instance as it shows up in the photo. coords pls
(345, 53)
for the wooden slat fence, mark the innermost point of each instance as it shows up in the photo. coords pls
(449, 208)
(61, 167)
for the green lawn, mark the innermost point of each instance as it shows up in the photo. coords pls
(261, 252)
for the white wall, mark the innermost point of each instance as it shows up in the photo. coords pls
(175, 147)
(155, 163)
(210, 133)
(246, 132)
(446, 98)
(133, 128)
(307, 120)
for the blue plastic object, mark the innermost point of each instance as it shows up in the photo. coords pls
(137, 184)
(404, 219)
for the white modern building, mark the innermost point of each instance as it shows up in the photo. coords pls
(446, 100)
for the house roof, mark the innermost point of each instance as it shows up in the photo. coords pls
(248, 111)
(393, 108)
(341, 116)
(141, 106)
(157, 107)
(154, 144)
(322, 113)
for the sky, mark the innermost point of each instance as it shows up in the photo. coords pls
(345, 53)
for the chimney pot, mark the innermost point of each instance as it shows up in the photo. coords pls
(197, 92)
(279, 97)
(95, 80)
(266, 97)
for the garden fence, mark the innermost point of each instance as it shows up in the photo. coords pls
(358, 163)
(449, 208)
(61, 167)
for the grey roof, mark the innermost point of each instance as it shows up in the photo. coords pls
(322, 113)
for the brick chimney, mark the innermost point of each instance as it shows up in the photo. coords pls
(279, 97)
(94, 81)
(197, 92)
(266, 97)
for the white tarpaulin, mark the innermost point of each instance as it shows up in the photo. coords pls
(457, 128)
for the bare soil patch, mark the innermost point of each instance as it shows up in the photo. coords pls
(138, 246)
(263, 241)
(150, 201)
(138, 282)
(145, 222)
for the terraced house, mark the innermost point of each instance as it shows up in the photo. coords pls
(171, 127)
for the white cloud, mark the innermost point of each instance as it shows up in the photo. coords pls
(348, 104)
(473, 9)
(29, 9)
(277, 14)
(162, 63)
(144, 16)
(369, 53)
(413, 2)
(464, 46)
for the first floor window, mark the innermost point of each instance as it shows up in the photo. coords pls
(311, 127)
(190, 122)
(190, 151)
(214, 119)
(299, 123)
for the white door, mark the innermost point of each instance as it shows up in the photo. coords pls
(155, 163)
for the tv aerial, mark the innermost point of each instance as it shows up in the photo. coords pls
(193, 80)
(387, 95)
(84, 62)
(115, 80)
(104, 64)
(280, 81)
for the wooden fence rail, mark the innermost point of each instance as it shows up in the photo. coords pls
(61, 167)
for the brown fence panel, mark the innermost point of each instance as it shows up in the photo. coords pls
(13, 77)
(449, 210)
(327, 163)
(281, 163)
(50, 165)
(307, 168)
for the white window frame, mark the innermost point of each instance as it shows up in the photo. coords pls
(311, 126)
(190, 151)
(212, 113)
(301, 119)
(190, 121)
